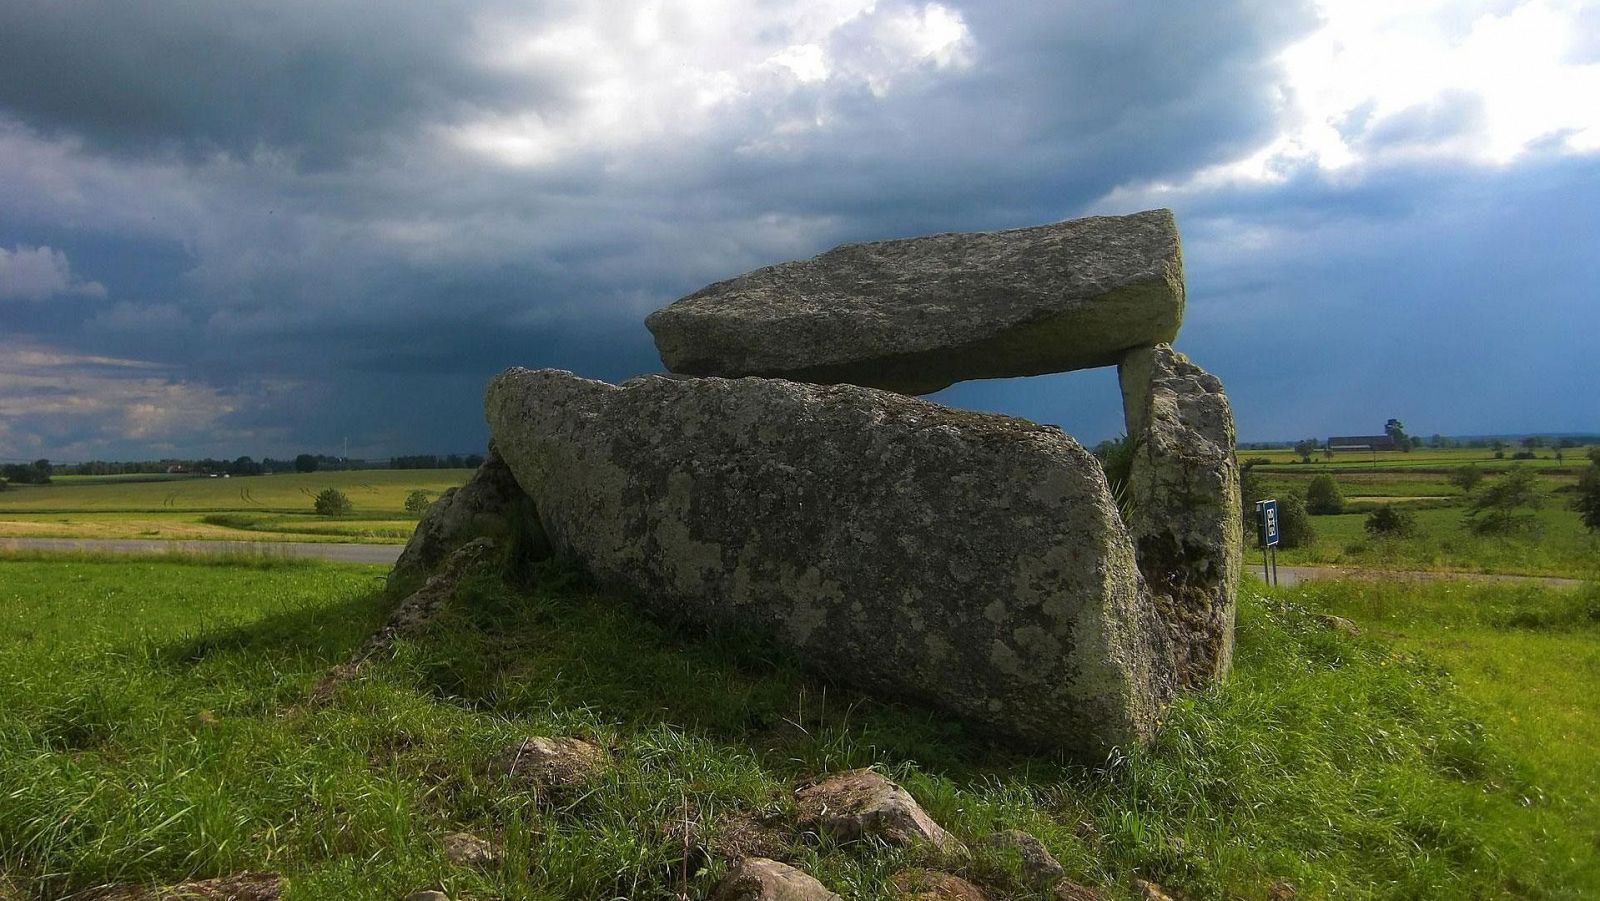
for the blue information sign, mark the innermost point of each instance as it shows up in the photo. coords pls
(1267, 520)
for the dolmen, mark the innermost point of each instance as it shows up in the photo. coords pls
(786, 480)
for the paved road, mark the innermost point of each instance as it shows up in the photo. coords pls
(344, 553)
(1294, 575)
(386, 554)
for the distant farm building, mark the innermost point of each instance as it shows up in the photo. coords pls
(1361, 442)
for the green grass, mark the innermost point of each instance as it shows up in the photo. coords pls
(262, 508)
(151, 730)
(1530, 659)
(1559, 547)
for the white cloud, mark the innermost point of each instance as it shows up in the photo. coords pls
(677, 71)
(1375, 61)
(39, 273)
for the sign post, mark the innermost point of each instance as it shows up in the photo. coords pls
(1268, 528)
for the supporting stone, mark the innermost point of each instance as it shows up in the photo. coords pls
(970, 560)
(491, 505)
(1184, 499)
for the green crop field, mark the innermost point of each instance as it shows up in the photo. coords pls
(154, 727)
(1554, 544)
(275, 507)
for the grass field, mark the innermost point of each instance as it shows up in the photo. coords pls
(1419, 481)
(276, 507)
(152, 729)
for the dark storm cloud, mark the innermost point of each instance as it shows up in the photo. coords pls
(337, 220)
(318, 79)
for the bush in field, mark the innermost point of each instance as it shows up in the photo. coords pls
(1323, 497)
(1294, 522)
(1389, 521)
(1588, 500)
(1507, 505)
(1466, 478)
(418, 501)
(332, 502)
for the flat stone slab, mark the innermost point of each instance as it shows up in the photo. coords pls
(973, 561)
(920, 314)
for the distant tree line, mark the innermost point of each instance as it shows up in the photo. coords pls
(433, 461)
(35, 473)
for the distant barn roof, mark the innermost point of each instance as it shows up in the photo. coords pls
(1376, 442)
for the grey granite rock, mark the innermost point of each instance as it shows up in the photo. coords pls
(490, 505)
(974, 561)
(862, 804)
(919, 314)
(760, 879)
(1184, 488)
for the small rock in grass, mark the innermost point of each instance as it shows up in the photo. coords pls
(467, 850)
(238, 887)
(760, 879)
(859, 804)
(1339, 624)
(1282, 890)
(1039, 866)
(931, 885)
(551, 763)
(429, 895)
(1145, 890)
(1067, 890)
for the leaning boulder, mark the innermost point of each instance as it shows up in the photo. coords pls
(490, 505)
(971, 560)
(1184, 504)
(919, 314)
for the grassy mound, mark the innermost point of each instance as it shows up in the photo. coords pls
(152, 728)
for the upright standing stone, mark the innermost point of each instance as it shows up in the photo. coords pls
(1184, 489)
(971, 560)
(919, 314)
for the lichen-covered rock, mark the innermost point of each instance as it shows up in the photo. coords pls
(760, 879)
(1039, 866)
(864, 804)
(491, 505)
(919, 314)
(1184, 494)
(932, 885)
(1067, 890)
(467, 850)
(972, 560)
(550, 763)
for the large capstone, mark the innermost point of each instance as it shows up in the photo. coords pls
(973, 561)
(1184, 504)
(920, 314)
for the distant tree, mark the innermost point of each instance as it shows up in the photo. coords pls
(1305, 449)
(1507, 505)
(1389, 521)
(1251, 461)
(305, 463)
(331, 502)
(1466, 477)
(1396, 430)
(418, 501)
(1533, 441)
(1294, 523)
(1587, 502)
(1323, 497)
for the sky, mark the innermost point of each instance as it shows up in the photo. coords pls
(267, 228)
